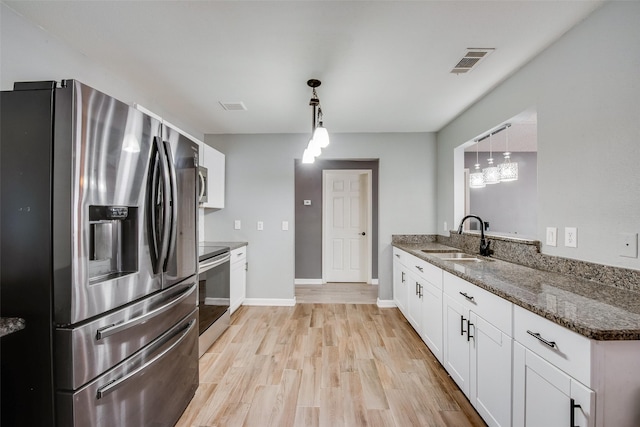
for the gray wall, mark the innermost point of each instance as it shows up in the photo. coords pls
(260, 185)
(585, 88)
(509, 207)
(308, 239)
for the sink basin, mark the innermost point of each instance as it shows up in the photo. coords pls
(456, 256)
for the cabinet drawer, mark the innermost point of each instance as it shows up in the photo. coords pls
(492, 308)
(567, 350)
(424, 270)
(239, 254)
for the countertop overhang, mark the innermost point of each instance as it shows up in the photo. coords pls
(597, 311)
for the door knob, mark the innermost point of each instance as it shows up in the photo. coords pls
(363, 233)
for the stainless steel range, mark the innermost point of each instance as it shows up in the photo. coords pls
(214, 290)
(99, 256)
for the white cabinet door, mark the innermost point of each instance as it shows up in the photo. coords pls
(414, 312)
(400, 286)
(238, 279)
(490, 376)
(214, 161)
(432, 318)
(546, 396)
(455, 342)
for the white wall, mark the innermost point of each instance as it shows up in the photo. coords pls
(586, 88)
(28, 53)
(260, 186)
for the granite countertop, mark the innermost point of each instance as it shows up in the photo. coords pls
(231, 245)
(9, 325)
(587, 307)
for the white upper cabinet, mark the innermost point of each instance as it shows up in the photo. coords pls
(214, 161)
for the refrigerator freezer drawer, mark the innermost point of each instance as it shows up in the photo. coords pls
(86, 351)
(152, 388)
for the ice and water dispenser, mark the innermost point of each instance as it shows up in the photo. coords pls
(113, 245)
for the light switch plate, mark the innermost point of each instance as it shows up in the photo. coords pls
(552, 236)
(237, 225)
(571, 237)
(285, 225)
(628, 245)
(260, 225)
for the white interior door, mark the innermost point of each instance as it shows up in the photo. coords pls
(346, 226)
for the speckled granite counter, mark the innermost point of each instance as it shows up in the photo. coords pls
(232, 245)
(10, 324)
(590, 308)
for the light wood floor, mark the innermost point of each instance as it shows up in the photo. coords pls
(324, 365)
(337, 293)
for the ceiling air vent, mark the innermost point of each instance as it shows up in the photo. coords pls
(233, 106)
(471, 59)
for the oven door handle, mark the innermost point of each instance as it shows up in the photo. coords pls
(118, 327)
(213, 263)
(115, 384)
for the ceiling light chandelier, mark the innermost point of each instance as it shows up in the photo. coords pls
(491, 174)
(508, 170)
(319, 135)
(476, 179)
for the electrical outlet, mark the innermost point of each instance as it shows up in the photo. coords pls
(571, 237)
(237, 225)
(285, 225)
(628, 245)
(260, 225)
(552, 236)
(445, 226)
(307, 202)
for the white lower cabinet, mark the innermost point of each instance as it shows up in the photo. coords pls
(477, 353)
(400, 281)
(238, 278)
(414, 309)
(432, 318)
(546, 396)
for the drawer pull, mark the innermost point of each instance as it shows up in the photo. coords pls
(537, 336)
(572, 414)
(420, 268)
(464, 294)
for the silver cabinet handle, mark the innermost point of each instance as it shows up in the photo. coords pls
(464, 294)
(115, 384)
(117, 327)
(537, 336)
(420, 268)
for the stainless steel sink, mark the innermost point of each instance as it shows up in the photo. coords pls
(455, 256)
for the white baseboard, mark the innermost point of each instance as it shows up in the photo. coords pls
(274, 302)
(386, 303)
(374, 281)
(308, 282)
(216, 301)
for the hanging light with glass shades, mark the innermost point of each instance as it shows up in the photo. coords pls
(508, 169)
(476, 179)
(319, 135)
(491, 174)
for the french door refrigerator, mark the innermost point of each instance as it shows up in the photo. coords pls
(98, 254)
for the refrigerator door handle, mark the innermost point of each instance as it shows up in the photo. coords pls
(118, 327)
(154, 194)
(115, 384)
(166, 204)
(172, 201)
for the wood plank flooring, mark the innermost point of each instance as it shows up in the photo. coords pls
(324, 365)
(332, 293)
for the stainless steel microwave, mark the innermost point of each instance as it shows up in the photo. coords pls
(203, 190)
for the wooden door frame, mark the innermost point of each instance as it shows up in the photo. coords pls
(369, 215)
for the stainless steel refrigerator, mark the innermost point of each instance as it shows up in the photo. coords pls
(98, 254)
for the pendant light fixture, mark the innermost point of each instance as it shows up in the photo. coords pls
(476, 179)
(508, 170)
(491, 173)
(319, 135)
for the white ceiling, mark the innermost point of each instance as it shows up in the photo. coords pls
(384, 66)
